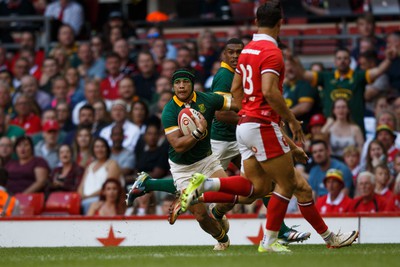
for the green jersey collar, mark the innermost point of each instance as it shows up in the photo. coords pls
(348, 75)
(226, 66)
(180, 103)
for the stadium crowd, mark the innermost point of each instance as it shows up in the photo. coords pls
(85, 116)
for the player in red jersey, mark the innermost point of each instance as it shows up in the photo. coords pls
(336, 201)
(257, 86)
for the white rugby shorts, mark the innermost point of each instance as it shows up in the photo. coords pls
(225, 151)
(182, 173)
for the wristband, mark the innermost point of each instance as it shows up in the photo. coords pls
(196, 136)
(200, 132)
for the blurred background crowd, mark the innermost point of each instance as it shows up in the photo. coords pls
(81, 98)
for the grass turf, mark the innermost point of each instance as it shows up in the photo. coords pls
(381, 255)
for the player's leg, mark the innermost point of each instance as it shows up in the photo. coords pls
(210, 226)
(277, 169)
(226, 152)
(303, 193)
(287, 235)
(223, 190)
(144, 184)
(232, 186)
(181, 175)
(237, 161)
(175, 209)
(213, 209)
(266, 143)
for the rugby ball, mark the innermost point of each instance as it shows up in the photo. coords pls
(186, 122)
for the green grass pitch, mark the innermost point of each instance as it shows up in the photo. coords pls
(382, 255)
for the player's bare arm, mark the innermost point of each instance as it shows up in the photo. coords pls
(230, 117)
(237, 91)
(270, 85)
(297, 152)
(182, 143)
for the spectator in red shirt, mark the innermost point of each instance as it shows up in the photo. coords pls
(394, 202)
(34, 69)
(367, 201)
(382, 177)
(386, 135)
(109, 85)
(28, 41)
(336, 201)
(26, 118)
(351, 156)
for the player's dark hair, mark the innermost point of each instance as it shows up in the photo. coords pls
(234, 41)
(183, 73)
(269, 14)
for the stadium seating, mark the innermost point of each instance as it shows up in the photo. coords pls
(30, 204)
(183, 36)
(391, 28)
(317, 45)
(242, 11)
(353, 30)
(63, 203)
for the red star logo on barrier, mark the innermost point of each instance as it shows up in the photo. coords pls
(256, 239)
(111, 240)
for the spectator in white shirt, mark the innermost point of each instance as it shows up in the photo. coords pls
(67, 12)
(119, 116)
(92, 95)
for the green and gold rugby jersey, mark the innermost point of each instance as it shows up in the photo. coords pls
(222, 85)
(302, 92)
(207, 104)
(350, 87)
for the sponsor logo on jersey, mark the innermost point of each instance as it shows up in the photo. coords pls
(202, 108)
(251, 51)
(341, 93)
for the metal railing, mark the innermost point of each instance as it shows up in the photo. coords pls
(20, 23)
